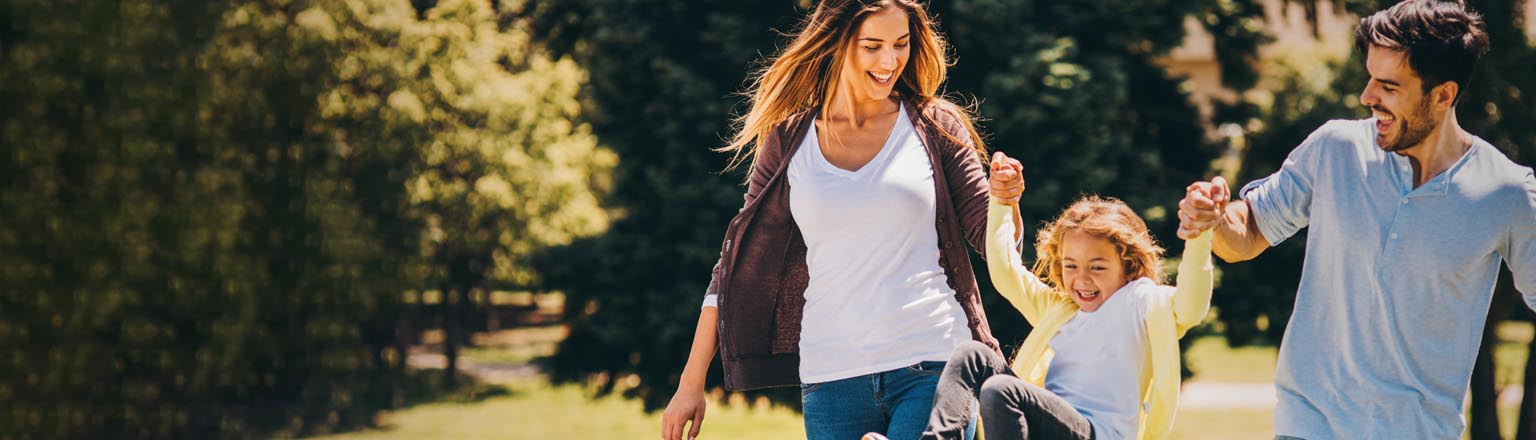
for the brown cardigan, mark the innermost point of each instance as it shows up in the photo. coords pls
(761, 276)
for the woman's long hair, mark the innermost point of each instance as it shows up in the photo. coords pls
(807, 72)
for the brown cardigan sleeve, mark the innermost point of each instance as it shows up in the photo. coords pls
(966, 176)
(768, 156)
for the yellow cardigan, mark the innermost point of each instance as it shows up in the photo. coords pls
(1170, 313)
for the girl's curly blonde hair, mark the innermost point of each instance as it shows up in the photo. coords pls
(1107, 218)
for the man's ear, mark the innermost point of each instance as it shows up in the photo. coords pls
(1444, 95)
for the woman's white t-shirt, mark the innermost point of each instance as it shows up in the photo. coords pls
(877, 299)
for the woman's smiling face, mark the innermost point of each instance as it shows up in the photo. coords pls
(880, 51)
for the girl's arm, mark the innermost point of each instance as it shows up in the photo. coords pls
(1009, 274)
(1192, 294)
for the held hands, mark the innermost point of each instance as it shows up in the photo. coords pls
(686, 406)
(1007, 181)
(1203, 206)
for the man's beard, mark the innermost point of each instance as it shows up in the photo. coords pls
(1415, 129)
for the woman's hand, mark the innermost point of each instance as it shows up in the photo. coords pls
(687, 405)
(1007, 180)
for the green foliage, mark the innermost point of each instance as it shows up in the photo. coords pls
(1255, 298)
(1069, 88)
(661, 81)
(210, 210)
(509, 169)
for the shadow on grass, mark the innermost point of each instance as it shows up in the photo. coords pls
(431, 386)
(410, 388)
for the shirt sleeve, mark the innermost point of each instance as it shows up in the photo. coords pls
(1281, 203)
(1196, 279)
(1520, 247)
(711, 300)
(1009, 275)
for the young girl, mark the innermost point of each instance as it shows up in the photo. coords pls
(1103, 359)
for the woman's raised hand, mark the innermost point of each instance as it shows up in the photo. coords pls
(1007, 181)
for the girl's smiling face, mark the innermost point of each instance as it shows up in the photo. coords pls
(1091, 269)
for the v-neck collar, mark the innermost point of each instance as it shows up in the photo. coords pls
(890, 137)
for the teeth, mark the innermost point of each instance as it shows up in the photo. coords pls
(881, 78)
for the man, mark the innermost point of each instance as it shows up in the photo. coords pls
(1410, 218)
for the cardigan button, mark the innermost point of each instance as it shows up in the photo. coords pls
(948, 244)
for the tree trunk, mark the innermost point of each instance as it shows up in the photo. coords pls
(405, 331)
(462, 314)
(420, 315)
(446, 304)
(1485, 412)
(492, 321)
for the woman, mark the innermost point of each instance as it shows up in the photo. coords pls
(846, 271)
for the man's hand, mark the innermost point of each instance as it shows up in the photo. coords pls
(1203, 206)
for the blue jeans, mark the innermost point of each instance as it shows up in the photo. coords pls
(895, 403)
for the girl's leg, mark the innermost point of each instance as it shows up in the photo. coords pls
(842, 409)
(954, 402)
(1014, 409)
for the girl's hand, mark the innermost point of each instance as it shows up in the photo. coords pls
(686, 406)
(1007, 181)
(1203, 206)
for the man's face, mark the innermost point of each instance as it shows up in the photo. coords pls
(1397, 99)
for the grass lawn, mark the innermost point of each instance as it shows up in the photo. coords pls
(536, 410)
(1213, 361)
(531, 408)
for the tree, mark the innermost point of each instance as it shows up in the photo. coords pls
(212, 210)
(509, 170)
(191, 252)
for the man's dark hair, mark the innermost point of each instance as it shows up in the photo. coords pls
(1442, 39)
